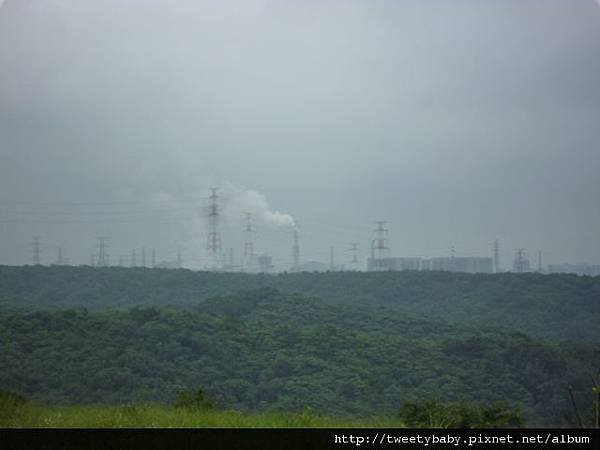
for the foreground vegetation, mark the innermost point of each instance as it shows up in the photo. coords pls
(17, 412)
(265, 350)
(549, 307)
(157, 416)
(342, 344)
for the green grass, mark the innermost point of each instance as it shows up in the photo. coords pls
(31, 415)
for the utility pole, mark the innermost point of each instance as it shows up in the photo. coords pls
(153, 257)
(59, 259)
(133, 258)
(521, 263)
(214, 238)
(37, 251)
(331, 259)
(354, 259)
(143, 256)
(354, 250)
(102, 255)
(249, 244)
(496, 256)
(540, 269)
(596, 392)
(296, 250)
(379, 245)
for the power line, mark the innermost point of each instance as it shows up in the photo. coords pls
(248, 244)
(331, 259)
(354, 250)
(127, 212)
(521, 263)
(296, 251)
(379, 245)
(496, 256)
(214, 237)
(37, 251)
(102, 254)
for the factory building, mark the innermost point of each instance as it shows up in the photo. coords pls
(265, 263)
(312, 266)
(385, 264)
(579, 269)
(468, 264)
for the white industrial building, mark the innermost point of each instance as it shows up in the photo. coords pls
(592, 270)
(467, 264)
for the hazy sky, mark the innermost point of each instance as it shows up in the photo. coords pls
(457, 121)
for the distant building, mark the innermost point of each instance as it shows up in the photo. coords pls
(312, 266)
(426, 264)
(165, 265)
(521, 262)
(474, 264)
(442, 263)
(265, 263)
(578, 269)
(384, 264)
(467, 264)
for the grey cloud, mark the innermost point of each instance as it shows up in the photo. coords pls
(457, 121)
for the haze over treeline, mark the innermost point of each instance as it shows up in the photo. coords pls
(341, 343)
(459, 122)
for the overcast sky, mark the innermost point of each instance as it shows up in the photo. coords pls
(457, 121)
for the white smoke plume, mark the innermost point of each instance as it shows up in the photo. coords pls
(237, 201)
(234, 202)
(188, 209)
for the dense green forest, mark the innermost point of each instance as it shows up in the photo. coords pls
(343, 343)
(65, 341)
(550, 307)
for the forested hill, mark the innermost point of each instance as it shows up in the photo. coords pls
(268, 350)
(551, 307)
